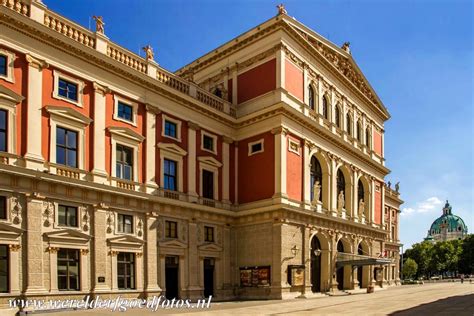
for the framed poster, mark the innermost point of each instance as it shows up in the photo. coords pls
(255, 276)
(296, 275)
(245, 277)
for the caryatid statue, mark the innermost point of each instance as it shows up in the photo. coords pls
(99, 24)
(361, 208)
(340, 200)
(149, 52)
(316, 191)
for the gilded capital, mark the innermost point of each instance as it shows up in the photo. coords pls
(100, 88)
(36, 62)
(280, 130)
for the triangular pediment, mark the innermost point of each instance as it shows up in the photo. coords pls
(67, 236)
(127, 133)
(210, 247)
(125, 241)
(173, 243)
(210, 161)
(9, 96)
(69, 113)
(172, 148)
(10, 232)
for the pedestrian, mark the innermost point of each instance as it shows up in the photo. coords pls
(462, 278)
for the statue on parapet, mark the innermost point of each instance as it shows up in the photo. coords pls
(281, 9)
(346, 47)
(99, 24)
(397, 186)
(149, 52)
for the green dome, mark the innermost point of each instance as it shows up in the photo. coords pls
(448, 221)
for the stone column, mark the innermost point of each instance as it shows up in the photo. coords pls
(151, 255)
(226, 264)
(53, 269)
(280, 163)
(333, 190)
(226, 170)
(34, 243)
(84, 266)
(15, 269)
(372, 203)
(192, 193)
(332, 270)
(194, 271)
(98, 172)
(151, 183)
(162, 272)
(34, 157)
(234, 87)
(280, 68)
(382, 192)
(99, 253)
(236, 172)
(113, 269)
(307, 174)
(355, 197)
(139, 269)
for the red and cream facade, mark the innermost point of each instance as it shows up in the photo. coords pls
(265, 126)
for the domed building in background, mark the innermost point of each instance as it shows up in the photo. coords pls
(447, 227)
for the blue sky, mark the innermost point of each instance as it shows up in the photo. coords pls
(417, 54)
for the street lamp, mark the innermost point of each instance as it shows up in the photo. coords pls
(294, 250)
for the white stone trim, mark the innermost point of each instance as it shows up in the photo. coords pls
(59, 117)
(212, 165)
(178, 123)
(175, 153)
(250, 153)
(291, 146)
(11, 125)
(134, 106)
(134, 221)
(214, 142)
(10, 77)
(80, 88)
(116, 139)
(79, 215)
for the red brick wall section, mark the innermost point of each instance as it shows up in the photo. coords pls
(377, 142)
(256, 81)
(294, 80)
(378, 203)
(294, 171)
(256, 172)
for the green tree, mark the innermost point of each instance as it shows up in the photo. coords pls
(421, 254)
(466, 258)
(409, 268)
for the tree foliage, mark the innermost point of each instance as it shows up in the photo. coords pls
(409, 268)
(453, 256)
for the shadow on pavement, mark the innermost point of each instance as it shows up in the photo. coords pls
(454, 305)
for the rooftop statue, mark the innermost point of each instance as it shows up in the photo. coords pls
(99, 24)
(149, 52)
(281, 9)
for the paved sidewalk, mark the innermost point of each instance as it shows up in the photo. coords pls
(428, 299)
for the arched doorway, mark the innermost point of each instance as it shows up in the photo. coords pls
(340, 271)
(360, 269)
(315, 265)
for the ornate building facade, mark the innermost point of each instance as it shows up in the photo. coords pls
(447, 227)
(256, 171)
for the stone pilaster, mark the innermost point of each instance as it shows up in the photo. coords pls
(151, 255)
(280, 163)
(98, 172)
(34, 157)
(307, 174)
(226, 170)
(194, 272)
(192, 193)
(151, 181)
(99, 254)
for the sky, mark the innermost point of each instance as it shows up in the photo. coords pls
(417, 55)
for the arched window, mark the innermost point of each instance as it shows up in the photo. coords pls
(348, 123)
(340, 246)
(360, 251)
(311, 97)
(359, 131)
(316, 174)
(367, 137)
(325, 108)
(360, 191)
(341, 182)
(337, 116)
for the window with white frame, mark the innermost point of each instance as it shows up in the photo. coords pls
(208, 234)
(126, 270)
(124, 162)
(208, 142)
(125, 111)
(255, 147)
(68, 88)
(125, 153)
(171, 166)
(207, 184)
(3, 130)
(171, 229)
(67, 141)
(7, 70)
(125, 224)
(67, 216)
(170, 175)
(171, 128)
(209, 171)
(8, 103)
(68, 269)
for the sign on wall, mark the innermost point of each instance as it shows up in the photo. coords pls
(296, 275)
(254, 276)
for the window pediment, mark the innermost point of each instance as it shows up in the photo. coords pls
(10, 232)
(125, 242)
(210, 247)
(172, 148)
(175, 243)
(67, 236)
(68, 113)
(210, 161)
(126, 133)
(10, 97)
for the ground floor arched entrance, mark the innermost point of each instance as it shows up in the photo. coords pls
(315, 265)
(340, 270)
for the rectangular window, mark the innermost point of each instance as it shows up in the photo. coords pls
(68, 269)
(67, 89)
(171, 229)
(208, 142)
(3, 130)
(4, 269)
(169, 175)
(3, 207)
(126, 270)
(209, 234)
(171, 129)
(67, 215)
(256, 148)
(124, 162)
(3, 65)
(125, 111)
(66, 147)
(208, 184)
(125, 224)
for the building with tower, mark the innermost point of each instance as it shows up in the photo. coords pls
(447, 227)
(256, 171)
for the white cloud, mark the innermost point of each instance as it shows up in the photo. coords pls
(425, 206)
